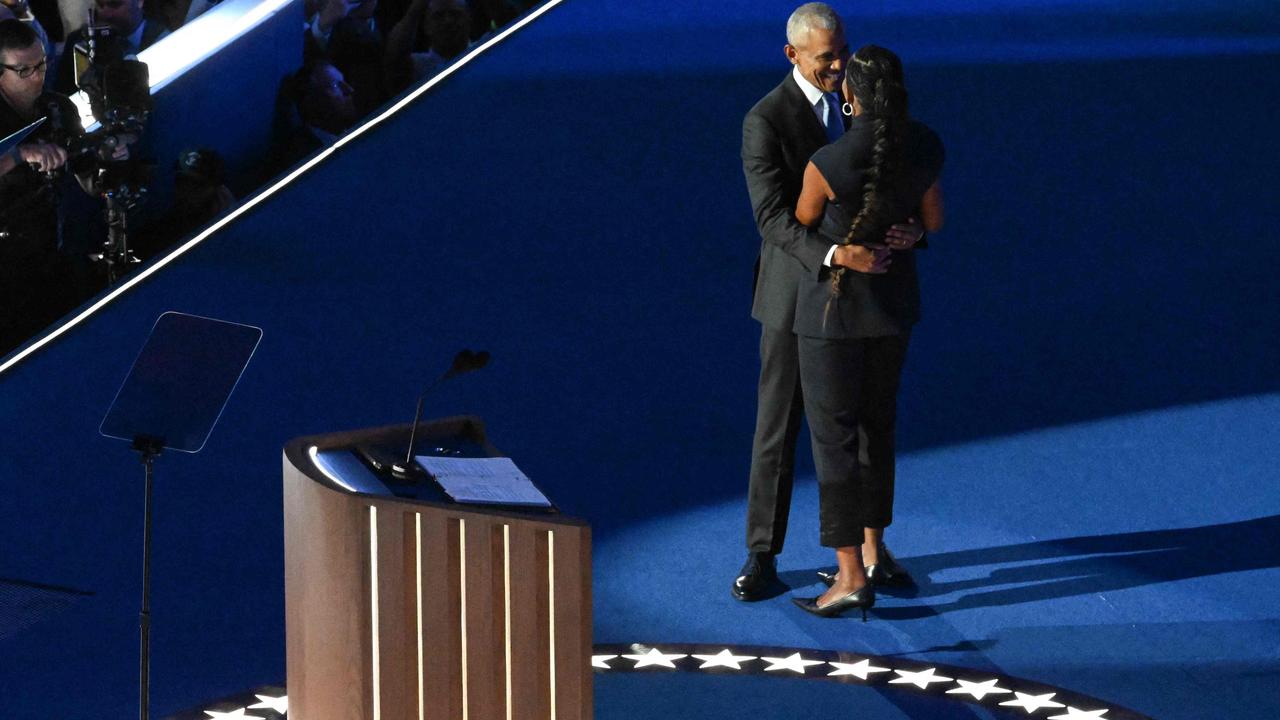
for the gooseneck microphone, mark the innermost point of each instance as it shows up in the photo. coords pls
(463, 363)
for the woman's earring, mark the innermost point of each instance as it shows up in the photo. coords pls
(847, 109)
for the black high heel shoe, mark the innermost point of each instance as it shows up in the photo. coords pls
(862, 598)
(885, 573)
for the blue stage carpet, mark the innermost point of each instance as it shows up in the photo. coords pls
(1088, 417)
(1069, 556)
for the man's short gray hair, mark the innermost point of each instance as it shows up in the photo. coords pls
(810, 16)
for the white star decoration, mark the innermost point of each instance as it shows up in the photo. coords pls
(860, 669)
(724, 658)
(1075, 714)
(1032, 703)
(233, 715)
(793, 662)
(978, 690)
(655, 657)
(919, 678)
(266, 702)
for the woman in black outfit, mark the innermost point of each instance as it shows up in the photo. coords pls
(853, 327)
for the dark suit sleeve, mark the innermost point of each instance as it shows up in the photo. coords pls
(774, 208)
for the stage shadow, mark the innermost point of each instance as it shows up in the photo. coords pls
(962, 646)
(1090, 565)
(24, 603)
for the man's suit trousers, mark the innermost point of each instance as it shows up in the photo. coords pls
(779, 412)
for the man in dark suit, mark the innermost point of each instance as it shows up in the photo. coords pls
(133, 31)
(779, 135)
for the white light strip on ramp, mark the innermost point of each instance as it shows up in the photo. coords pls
(252, 202)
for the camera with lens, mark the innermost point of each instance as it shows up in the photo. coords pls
(117, 86)
(118, 89)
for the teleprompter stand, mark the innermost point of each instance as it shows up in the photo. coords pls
(173, 396)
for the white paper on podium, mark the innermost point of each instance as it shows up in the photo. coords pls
(483, 480)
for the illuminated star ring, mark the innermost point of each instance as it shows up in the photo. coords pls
(993, 691)
(1001, 693)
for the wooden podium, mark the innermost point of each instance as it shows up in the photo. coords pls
(399, 608)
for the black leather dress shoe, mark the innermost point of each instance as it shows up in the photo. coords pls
(758, 574)
(860, 599)
(886, 572)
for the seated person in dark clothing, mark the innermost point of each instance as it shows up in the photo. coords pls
(200, 196)
(358, 53)
(355, 44)
(126, 22)
(30, 292)
(325, 109)
(447, 23)
(326, 104)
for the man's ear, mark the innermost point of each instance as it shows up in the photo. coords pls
(790, 51)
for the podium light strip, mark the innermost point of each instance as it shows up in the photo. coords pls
(462, 580)
(314, 453)
(275, 187)
(417, 539)
(506, 591)
(373, 613)
(551, 613)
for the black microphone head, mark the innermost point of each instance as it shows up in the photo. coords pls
(466, 361)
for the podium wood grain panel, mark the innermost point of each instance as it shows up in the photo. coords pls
(397, 614)
(441, 618)
(530, 624)
(495, 566)
(572, 602)
(485, 620)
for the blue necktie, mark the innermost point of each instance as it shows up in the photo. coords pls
(831, 113)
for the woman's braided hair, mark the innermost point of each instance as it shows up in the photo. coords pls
(874, 77)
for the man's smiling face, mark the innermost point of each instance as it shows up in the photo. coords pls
(821, 55)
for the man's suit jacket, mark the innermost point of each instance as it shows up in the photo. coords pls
(779, 135)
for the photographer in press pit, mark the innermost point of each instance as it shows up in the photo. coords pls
(32, 292)
(36, 285)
